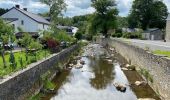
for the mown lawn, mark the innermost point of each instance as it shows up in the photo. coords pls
(31, 59)
(160, 52)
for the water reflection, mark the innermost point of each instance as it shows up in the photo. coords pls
(104, 73)
(92, 82)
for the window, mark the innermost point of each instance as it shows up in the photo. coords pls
(22, 22)
(43, 26)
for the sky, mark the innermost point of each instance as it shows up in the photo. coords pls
(74, 7)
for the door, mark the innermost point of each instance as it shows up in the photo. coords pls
(152, 37)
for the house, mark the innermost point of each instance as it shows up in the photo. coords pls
(130, 30)
(153, 34)
(27, 21)
(69, 29)
(167, 37)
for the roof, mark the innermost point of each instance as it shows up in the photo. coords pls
(64, 27)
(151, 30)
(33, 34)
(33, 16)
(9, 20)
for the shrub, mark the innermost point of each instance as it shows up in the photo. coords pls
(78, 35)
(51, 43)
(63, 36)
(134, 35)
(35, 45)
(117, 35)
(12, 61)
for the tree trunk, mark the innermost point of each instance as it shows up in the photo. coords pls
(3, 58)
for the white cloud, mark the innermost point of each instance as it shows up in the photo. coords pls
(78, 7)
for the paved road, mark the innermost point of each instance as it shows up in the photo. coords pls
(152, 45)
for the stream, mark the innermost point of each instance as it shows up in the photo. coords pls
(97, 78)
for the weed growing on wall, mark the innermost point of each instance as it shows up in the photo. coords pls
(146, 74)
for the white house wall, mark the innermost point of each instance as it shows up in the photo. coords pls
(16, 23)
(29, 24)
(41, 27)
(168, 30)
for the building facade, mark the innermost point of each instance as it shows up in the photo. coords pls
(27, 21)
(168, 29)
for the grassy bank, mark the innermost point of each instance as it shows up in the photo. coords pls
(164, 53)
(31, 59)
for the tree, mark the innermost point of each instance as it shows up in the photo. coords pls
(56, 8)
(149, 13)
(105, 16)
(161, 13)
(26, 41)
(6, 33)
(122, 22)
(3, 11)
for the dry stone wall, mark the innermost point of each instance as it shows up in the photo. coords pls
(20, 84)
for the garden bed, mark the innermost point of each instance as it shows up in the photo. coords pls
(18, 55)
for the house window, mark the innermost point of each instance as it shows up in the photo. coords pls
(22, 22)
(43, 26)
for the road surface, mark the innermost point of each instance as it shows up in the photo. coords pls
(148, 44)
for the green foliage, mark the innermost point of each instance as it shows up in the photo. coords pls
(6, 33)
(20, 64)
(117, 35)
(147, 75)
(148, 13)
(56, 9)
(26, 40)
(36, 97)
(122, 22)
(105, 17)
(160, 52)
(65, 21)
(78, 35)
(82, 23)
(46, 82)
(132, 35)
(63, 36)
(19, 29)
(12, 61)
(35, 45)
(3, 11)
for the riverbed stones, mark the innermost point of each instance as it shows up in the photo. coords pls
(138, 83)
(125, 69)
(110, 61)
(82, 62)
(120, 87)
(146, 99)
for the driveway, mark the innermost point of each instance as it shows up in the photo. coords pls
(148, 44)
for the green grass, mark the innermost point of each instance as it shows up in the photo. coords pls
(18, 55)
(165, 53)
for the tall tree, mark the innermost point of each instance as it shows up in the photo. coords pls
(6, 33)
(56, 9)
(160, 15)
(105, 16)
(149, 13)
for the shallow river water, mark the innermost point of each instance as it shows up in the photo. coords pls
(95, 80)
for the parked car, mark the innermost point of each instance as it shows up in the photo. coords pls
(64, 44)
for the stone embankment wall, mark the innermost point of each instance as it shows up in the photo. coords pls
(27, 81)
(157, 66)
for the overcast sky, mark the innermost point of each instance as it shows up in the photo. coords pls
(74, 7)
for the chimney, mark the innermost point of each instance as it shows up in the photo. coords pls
(17, 6)
(25, 9)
